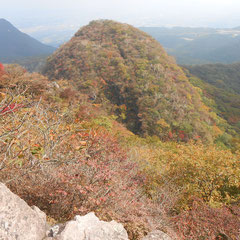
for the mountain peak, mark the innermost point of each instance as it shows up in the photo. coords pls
(6, 25)
(129, 71)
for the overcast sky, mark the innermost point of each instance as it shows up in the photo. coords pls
(222, 13)
(58, 20)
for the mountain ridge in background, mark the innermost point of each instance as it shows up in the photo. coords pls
(199, 45)
(15, 45)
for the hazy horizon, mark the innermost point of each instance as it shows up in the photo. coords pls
(195, 13)
(47, 20)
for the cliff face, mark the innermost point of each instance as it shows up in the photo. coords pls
(126, 69)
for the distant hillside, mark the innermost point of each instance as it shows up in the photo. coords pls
(129, 72)
(199, 45)
(32, 64)
(221, 83)
(16, 45)
(226, 76)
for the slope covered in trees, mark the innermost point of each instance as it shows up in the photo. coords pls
(224, 76)
(129, 73)
(222, 84)
(15, 45)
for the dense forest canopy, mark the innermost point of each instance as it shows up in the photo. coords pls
(221, 83)
(225, 76)
(128, 70)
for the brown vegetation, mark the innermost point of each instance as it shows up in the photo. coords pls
(62, 149)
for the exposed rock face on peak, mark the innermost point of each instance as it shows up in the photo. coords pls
(17, 220)
(124, 67)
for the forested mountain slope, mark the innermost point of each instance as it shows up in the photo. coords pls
(225, 76)
(128, 71)
(221, 83)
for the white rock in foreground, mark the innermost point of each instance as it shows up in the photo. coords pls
(18, 221)
(91, 228)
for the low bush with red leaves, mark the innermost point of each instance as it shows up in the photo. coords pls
(83, 171)
(204, 222)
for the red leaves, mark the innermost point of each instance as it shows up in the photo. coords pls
(1, 69)
(170, 135)
(13, 107)
(177, 135)
(181, 136)
(98, 178)
(204, 222)
(62, 192)
(86, 157)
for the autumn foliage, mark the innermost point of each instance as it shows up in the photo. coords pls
(118, 65)
(64, 151)
(196, 170)
(67, 164)
(204, 222)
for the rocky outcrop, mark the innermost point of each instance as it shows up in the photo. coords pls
(18, 220)
(157, 235)
(91, 228)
